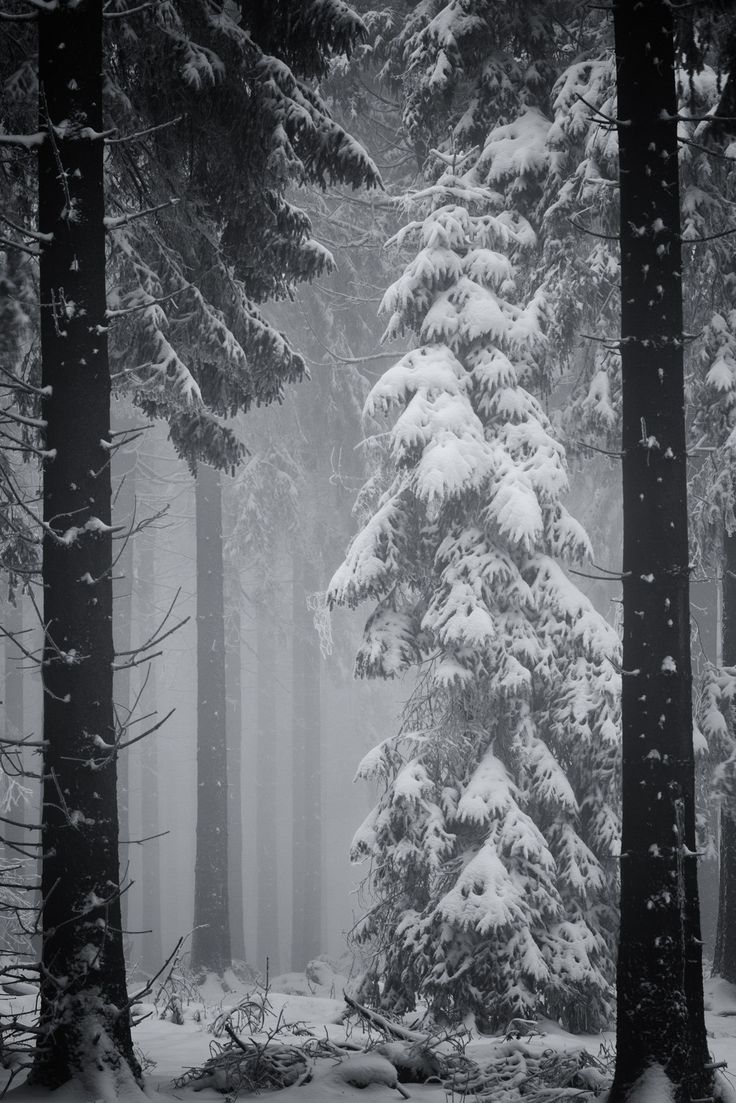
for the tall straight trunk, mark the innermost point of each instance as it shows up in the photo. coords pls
(152, 945)
(211, 938)
(123, 473)
(306, 930)
(660, 986)
(233, 680)
(267, 921)
(724, 963)
(84, 1021)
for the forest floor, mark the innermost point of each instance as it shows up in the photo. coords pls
(237, 1040)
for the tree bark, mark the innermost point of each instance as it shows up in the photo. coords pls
(84, 1021)
(267, 921)
(211, 938)
(306, 931)
(234, 782)
(660, 987)
(724, 963)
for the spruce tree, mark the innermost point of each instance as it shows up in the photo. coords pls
(497, 819)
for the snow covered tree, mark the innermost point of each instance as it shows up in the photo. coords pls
(239, 122)
(660, 1026)
(464, 66)
(492, 844)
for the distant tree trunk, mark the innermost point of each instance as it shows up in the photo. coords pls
(267, 923)
(211, 938)
(123, 471)
(660, 987)
(152, 945)
(724, 963)
(306, 936)
(84, 1021)
(234, 784)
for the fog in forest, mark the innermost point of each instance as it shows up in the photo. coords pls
(368, 547)
(276, 624)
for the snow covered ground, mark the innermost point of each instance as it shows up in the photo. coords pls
(311, 1018)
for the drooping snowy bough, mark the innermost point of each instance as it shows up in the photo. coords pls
(492, 845)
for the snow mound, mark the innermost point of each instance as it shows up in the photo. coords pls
(360, 1070)
(653, 1086)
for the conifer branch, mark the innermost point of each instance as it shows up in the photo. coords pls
(150, 299)
(6, 241)
(142, 133)
(697, 118)
(138, 997)
(593, 233)
(153, 642)
(594, 448)
(145, 839)
(705, 149)
(22, 384)
(35, 235)
(20, 419)
(15, 445)
(600, 577)
(709, 237)
(609, 342)
(112, 222)
(602, 117)
(148, 731)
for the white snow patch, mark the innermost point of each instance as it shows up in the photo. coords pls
(653, 1086)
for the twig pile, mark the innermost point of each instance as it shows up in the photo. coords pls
(249, 1067)
(515, 1072)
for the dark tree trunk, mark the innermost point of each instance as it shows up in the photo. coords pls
(234, 782)
(85, 1025)
(724, 964)
(306, 931)
(152, 946)
(267, 922)
(211, 938)
(660, 986)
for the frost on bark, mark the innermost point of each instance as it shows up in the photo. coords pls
(85, 1025)
(660, 992)
(724, 962)
(211, 938)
